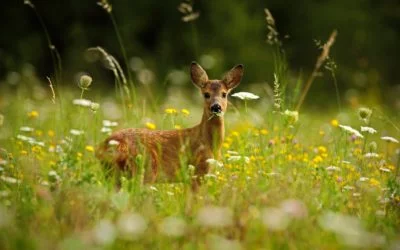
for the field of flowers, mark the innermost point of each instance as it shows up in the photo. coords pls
(289, 178)
(285, 181)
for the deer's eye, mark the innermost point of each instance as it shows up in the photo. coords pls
(206, 95)
(224, 95)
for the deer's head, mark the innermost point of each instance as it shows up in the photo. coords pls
(215, 92)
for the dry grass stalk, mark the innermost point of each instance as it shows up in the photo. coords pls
(53, 98)
(320, 61)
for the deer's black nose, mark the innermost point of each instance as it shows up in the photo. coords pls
(216, 108)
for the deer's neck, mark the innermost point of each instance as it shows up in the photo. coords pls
(212, 132)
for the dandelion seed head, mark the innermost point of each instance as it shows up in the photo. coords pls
(85, 81)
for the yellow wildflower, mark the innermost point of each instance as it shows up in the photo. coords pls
(150, 125)
(170, 111)
(178, 127)
(89, 148)
(374, 182)
(33, 114)
(185, 112)
(317, 159)
(39, 132)
(23, 152)
(235, 133)
(225, 145)
(322, 149)
(50, 133)
(264, 132)
(335, 123)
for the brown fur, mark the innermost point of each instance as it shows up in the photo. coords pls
(164, 149)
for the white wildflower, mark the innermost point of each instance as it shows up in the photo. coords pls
(237, 158)
(82, 102)
(364, 179)
(106, 130)
(113, 143)
(333, 169)
(130, 226)
(291, 116)
(275, 219)
(232, 152)
(294, 208)
(245, 96)
(351, 130)
(389, 139)
(213, 216)
(368, 130)
(356, 194)
(214, 163)
(10, 180)
(173, 226)
(76, 132)
(26, 129)
(371, 155)
(104, 233)
(385, 170)
(107, 123)
(349, 230)
(153, 188)
(347, 187)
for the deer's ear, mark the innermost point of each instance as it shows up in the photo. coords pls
(198, 75)
(233, 77)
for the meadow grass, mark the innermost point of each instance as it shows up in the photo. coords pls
(285, 181)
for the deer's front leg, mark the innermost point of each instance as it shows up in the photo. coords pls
(202, 168)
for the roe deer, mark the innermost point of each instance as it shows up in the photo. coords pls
(164, 149)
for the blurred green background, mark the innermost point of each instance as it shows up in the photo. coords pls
(227, 32)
